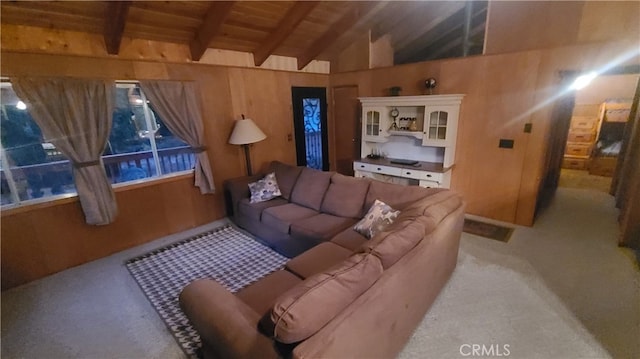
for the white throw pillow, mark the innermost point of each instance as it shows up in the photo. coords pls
(264, 189)
(380, 215)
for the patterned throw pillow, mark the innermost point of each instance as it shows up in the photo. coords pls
(264, 189)
(380, 215)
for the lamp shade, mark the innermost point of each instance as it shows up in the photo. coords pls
(245, 132)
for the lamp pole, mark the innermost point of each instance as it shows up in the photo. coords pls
(247, 158)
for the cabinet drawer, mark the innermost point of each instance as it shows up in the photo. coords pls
(429, 184)
(421, 175)
(387, 170)
(603, 166)
(585, 123)
(574, 163)
(578, 136)
(577, 149)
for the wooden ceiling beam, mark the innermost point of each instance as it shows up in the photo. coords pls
(116, 18)
(356, 13)
(289, 22)
(211, 26)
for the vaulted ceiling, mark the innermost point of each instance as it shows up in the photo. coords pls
(306, 30)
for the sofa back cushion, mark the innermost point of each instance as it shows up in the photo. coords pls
(306, 308)
(395, 195)
(389, 246)
(286, 175)
(310, 188)
(345, 196)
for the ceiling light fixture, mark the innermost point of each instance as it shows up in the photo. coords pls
(583, 80)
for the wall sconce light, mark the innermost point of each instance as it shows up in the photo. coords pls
(246, 132)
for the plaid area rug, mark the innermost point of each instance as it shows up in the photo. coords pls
(225, 255)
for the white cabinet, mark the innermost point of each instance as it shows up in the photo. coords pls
(432, 120)
(418, 128)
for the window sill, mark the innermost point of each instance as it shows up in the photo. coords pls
(33, 204)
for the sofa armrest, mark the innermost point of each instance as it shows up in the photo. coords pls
(236, 189)
(227, 326)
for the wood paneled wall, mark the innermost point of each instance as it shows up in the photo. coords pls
(502, 93)
(46, 240)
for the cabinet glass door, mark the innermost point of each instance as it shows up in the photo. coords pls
(373, 123)
(438, 125)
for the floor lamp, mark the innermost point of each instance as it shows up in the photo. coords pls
(246, 132)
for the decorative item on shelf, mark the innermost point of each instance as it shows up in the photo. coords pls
(246, 132)
(394, 113)
(375, 154)
(413, 124)
(395, 90)
(430, 84)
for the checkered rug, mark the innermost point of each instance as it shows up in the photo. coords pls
(225, 255)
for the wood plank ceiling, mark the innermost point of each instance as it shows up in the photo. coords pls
(306, 30)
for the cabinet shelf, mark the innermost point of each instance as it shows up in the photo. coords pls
(416, 134)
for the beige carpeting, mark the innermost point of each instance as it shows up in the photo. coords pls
(561, 289)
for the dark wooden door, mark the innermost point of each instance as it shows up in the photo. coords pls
(560, 123)
(346, 110)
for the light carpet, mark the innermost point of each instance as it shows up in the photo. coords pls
(497, 303)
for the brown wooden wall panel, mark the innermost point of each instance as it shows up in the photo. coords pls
(46, 240)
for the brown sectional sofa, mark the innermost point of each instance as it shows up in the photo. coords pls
(342, 295)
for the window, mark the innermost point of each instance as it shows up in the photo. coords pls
(140, 146)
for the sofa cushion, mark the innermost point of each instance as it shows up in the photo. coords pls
(349, 239)
(286, 175)
(318, 259)
(320, 227)
(254, 210)
(310, 305)
(281, 217)
(310, 188)
(345, 196)
(394, 195)
(261, 295)
(379, 216)
(394, 243)
(264, 189)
